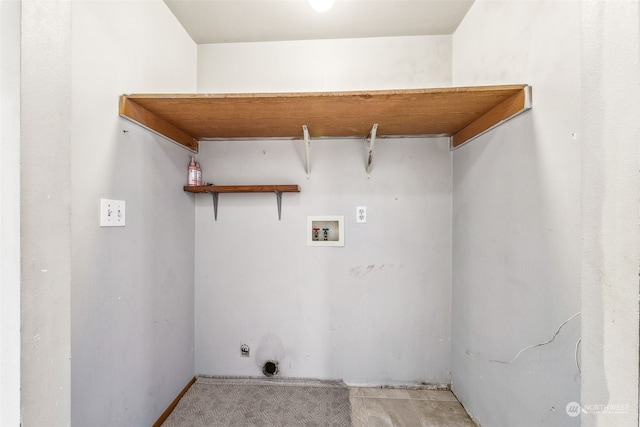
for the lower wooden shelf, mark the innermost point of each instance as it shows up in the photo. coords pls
(241, 188)
(214, 190)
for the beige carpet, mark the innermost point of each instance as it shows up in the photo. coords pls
(262, 402)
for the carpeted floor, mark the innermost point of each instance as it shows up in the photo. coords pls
(262, 402)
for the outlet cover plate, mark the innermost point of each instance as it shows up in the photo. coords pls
(361, 214)
(112, 213)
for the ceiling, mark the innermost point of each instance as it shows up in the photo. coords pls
(231, 21)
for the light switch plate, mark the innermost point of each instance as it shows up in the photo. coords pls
(112, 213)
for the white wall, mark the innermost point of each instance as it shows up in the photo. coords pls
(376, 311)
(611, 251)
(45, 134)
(516, 219)
(132, 287)
(10, 213)
(325, 65)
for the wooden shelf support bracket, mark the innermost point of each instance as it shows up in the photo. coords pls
(307, 147)
(507, 109)
(279, 202)
(215, 205)
(371, 142)
(131, 110)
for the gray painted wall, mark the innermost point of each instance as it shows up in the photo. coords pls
(132, 287)
(610, 211)
(375, 311)
(119, 301)
(517, 253)
(516, 219)
(10, 213)
(45, 134)
(325, 65)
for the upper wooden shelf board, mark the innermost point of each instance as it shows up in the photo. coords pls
(460, 112)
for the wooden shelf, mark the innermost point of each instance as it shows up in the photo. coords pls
(462, 113)
(214, 190)
(242, 188)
